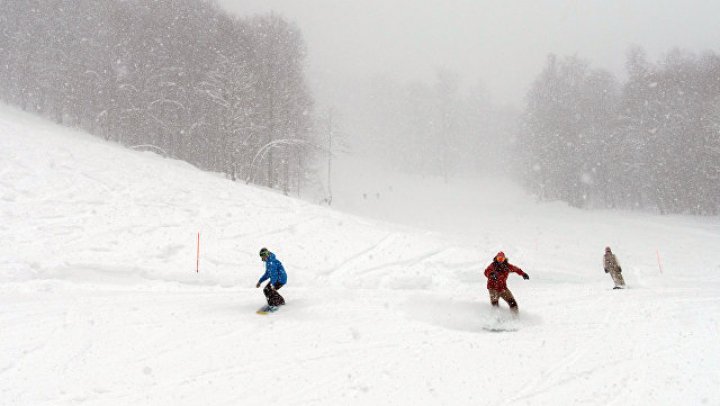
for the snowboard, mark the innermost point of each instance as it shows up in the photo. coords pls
(267, 309)
(499, 329)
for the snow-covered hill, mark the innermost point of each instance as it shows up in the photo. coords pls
(100, 302)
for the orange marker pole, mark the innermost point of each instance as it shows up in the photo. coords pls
(197, 263)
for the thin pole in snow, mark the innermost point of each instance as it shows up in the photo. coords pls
(657, 251)
(197, 262)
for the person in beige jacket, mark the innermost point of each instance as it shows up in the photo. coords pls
(612, 266)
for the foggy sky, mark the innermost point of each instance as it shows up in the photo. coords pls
(501, 43)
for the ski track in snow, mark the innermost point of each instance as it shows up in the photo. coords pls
(100, 302)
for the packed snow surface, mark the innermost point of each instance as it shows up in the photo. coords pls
(100, 301)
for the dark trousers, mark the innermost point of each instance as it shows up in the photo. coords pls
(272, 295)
(506, 295)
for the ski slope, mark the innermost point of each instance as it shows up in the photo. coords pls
(100, 302)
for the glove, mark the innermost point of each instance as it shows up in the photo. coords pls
(606, 271)
(258, 285)
(493, 276)
(526, 276)
(619, 269)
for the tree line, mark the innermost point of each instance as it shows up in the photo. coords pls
(441, 128)
(652, 141)
(178, 76)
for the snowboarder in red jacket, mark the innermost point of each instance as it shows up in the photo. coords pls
(497, 274)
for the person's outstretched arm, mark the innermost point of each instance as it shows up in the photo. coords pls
(518, 271)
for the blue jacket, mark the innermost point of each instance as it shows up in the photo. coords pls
(274, 270)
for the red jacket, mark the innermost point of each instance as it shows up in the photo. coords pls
(500, 270)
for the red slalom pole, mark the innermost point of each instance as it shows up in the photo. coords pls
(197, 263)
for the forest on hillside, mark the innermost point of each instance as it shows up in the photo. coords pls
(230, 94)
(181, 77)
(650, 142)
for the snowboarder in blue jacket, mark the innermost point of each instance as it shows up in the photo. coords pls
(274, 271)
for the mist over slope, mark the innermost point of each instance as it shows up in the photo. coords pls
(493, 213)
(100, 301)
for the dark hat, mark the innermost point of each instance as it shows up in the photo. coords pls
(264, 252)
